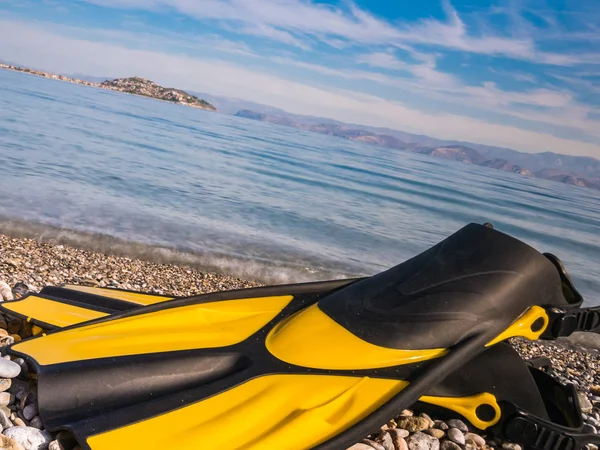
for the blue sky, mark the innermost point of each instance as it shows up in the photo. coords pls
(517, 73)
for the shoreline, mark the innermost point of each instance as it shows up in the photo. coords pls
(57, 77)
(37, 264)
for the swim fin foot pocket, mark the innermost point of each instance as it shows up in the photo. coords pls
(311, 365)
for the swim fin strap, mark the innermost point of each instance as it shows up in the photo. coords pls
(294, 367)
(524, 403)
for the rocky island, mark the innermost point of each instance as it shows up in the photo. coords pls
(147, 88)
(131, 85)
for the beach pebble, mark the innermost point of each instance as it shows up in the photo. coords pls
(6, 341)
(7, 443)
(407, 412)
(5, 384)
(425, 416)
(398, 432)
(20, 289)
(595, 390)
(412, 423)
(455, 435)
(373, 444)
(385, 439)
(22, 364)
(30, 438)
(36, 422)
(360, 446)
(19, 422)
(584, 402)
(5, 291)
(449, 445)
(510, 446)
(6, 398)
(459, 424)
(55, 445)
(30, 411)
(475, 438)
(9, 369)
(3, 332)
(587, 428)
(440, 425)
(5, 421)
(436, 433)
(422, 441)
(400, 443)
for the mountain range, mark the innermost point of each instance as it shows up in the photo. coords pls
(576, 170)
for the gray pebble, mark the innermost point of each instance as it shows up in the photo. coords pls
(477, 440)
(455, 435)
(30, 438)
(459, 424)
(5, 341)
(510, 446)
(385, 439)
(55, 445)
(587, 428)
(373, 444)
(449, 445)
(7, 443)
(584, 401)
(398, 432)
(9, 369)
(36, 422)
(6, 398)
(5, 421)
(5, 384)
(30, 411)
(425, 416)
(22, 363)
(422, 441)
(440, 425)
(360, 446)
(400, 444)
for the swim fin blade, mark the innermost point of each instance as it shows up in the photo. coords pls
(298, 366)
(61, 306)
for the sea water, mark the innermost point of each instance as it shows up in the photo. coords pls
(117, 171)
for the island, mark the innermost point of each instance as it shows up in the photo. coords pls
(131, 85)
(147, 88)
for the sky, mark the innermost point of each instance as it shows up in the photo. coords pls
(514, 73)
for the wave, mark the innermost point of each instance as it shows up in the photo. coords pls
(244, 268)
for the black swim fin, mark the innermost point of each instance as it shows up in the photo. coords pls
(507, 398)
(296, 366)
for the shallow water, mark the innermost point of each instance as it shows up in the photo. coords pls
(263, 200)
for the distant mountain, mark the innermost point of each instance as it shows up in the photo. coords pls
(575, 170)
(454, 152)
(230, 105)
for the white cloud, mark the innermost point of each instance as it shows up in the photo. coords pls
(36, 46)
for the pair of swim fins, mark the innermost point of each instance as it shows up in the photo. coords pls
(313, 365)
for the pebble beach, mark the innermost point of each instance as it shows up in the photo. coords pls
(29, 264)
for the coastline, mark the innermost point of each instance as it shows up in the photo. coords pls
(57, 77)
(38, 264)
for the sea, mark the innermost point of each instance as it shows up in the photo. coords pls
(132, 175)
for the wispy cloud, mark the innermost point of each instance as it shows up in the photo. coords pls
(39, 46)
(494, 68)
